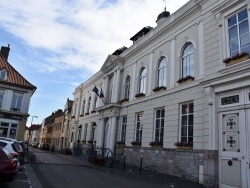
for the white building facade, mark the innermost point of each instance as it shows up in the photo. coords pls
(182, 83)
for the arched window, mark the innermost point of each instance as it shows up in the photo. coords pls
(83, 106)
(89, 102)
(161, 72)
(127, 87)
(95, 101)
(187, 64)
(142, 81)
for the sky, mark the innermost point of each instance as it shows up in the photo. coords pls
(58, 44)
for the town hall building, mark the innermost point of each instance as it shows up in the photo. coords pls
(179, 96)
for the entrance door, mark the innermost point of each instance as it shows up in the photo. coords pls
(233, 154)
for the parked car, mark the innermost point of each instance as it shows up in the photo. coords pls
(10, 146)
(20, 146)
(45, 147)
(8, 166)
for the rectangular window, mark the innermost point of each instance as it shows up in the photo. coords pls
(1, 97)
(16, 102)
(238, 33)
(187, 118)
(123, 128)
(139, 127)
(159, 125)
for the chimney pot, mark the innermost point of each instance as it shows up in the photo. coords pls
(5, 51)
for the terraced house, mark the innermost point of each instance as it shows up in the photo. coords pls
(179, 96)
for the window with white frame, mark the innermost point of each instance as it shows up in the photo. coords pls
(1, 97)
(123, 128)
(16, 101)
(187, 119)
(8, 129)
(187, 62)
(142, 81)
(238, 33)
(127, 87)
(159, 125)
(3, 74)
(161, 72)
(139, 127)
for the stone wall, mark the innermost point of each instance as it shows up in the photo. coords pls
(177, 162)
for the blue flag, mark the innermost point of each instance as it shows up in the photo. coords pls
(96, 90)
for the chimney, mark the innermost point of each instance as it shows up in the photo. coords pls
(5, 51)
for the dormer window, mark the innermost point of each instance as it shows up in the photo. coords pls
(3, 74)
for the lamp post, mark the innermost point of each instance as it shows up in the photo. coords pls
(93, 134)
(29, 131)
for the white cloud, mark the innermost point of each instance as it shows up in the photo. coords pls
(79, 34)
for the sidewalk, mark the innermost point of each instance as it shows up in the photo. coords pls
(161, 178)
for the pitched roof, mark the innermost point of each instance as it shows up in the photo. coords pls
(13, 77)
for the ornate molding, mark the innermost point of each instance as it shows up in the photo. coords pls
(218, 17)
(199, 21)
(209, 93)
(172, 39)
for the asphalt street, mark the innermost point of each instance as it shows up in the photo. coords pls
(52, 170)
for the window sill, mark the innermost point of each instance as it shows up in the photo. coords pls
(238, 60)
(185, 79)
(15, 109)
(86, 113)
(140, 95)
(93, 111)
(124, 100)
(73, 117)
(160, 88)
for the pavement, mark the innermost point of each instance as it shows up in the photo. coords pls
(168, 180)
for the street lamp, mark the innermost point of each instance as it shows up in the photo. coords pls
(29, 131)
(93, 133)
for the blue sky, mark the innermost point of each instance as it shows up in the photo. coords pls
(56, 45)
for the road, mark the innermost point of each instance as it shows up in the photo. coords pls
(52, 171)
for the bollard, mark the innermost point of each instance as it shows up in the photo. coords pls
(141, 165)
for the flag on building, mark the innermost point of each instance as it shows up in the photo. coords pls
(96, 91)
(101, 96)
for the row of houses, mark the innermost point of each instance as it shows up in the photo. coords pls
(54, 130)
(179, 96)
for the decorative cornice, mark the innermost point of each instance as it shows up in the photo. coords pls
(209, 93)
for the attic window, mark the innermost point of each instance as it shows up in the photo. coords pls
(3, 74)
